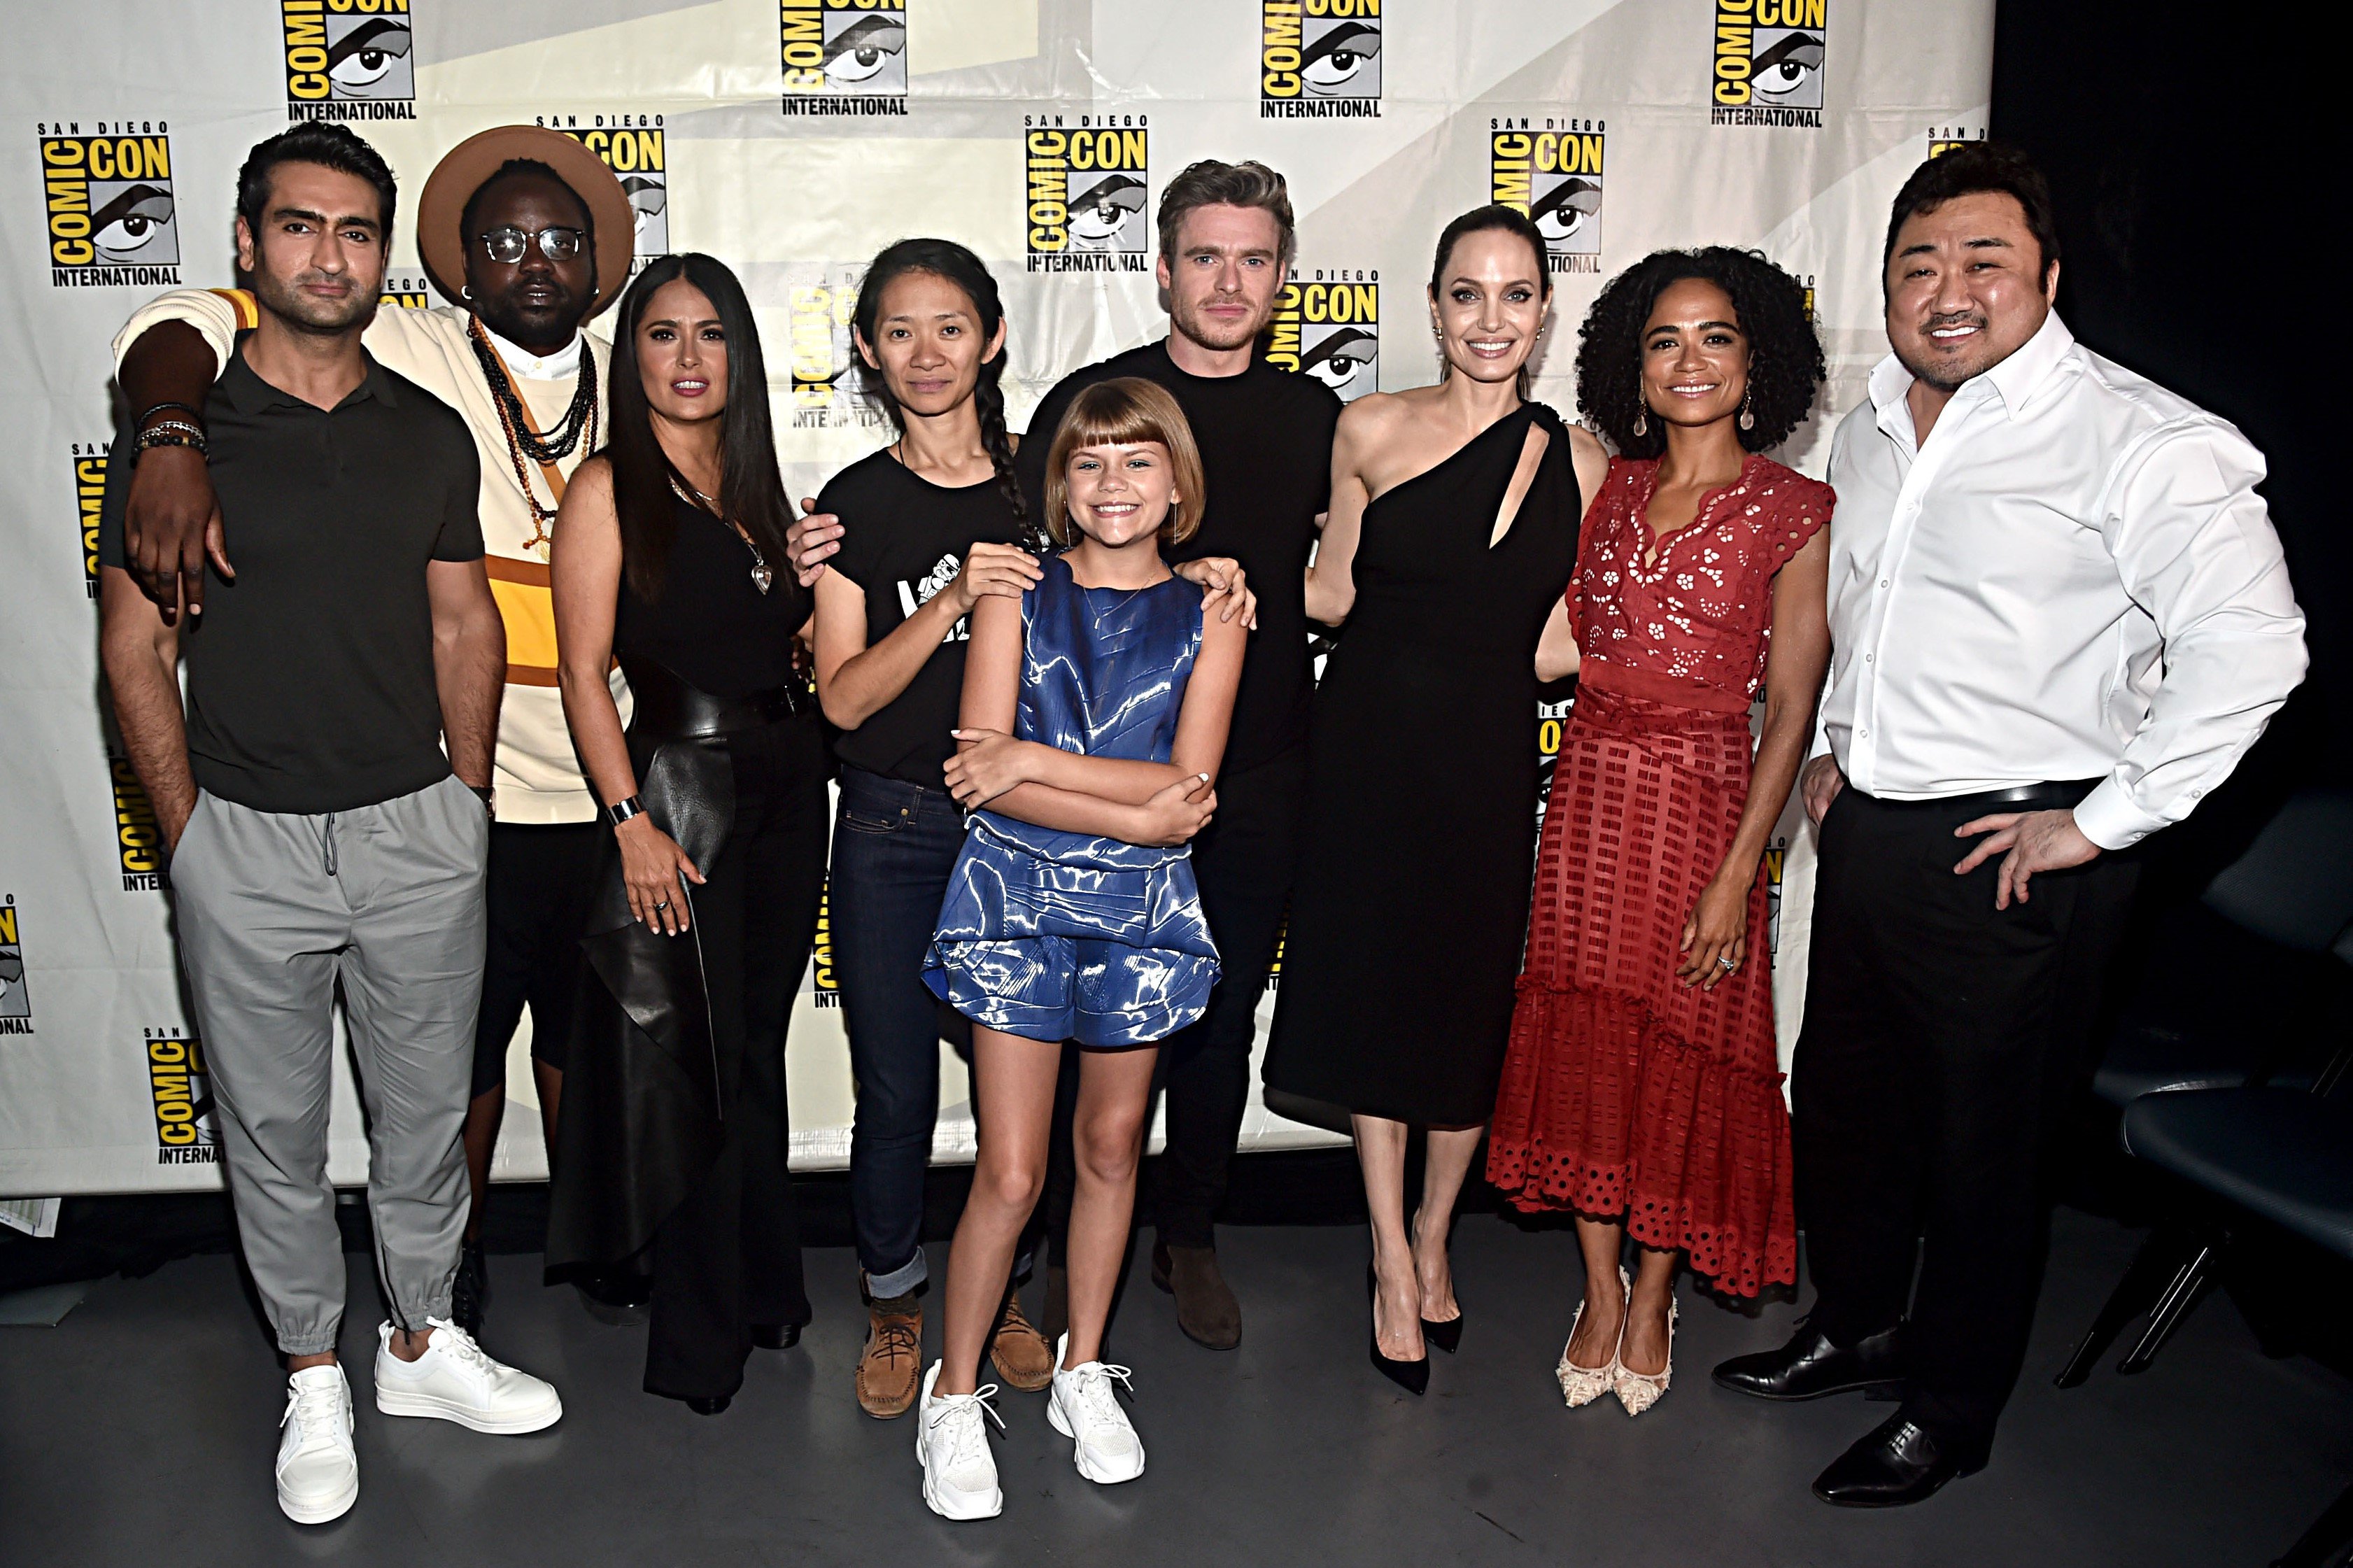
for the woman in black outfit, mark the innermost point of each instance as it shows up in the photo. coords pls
(669, 554)
(932, 523)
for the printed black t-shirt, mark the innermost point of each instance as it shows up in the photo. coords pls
(904, 540)
(311, 679)
(1266, 455)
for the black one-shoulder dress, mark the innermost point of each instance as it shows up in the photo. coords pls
(1410, 910)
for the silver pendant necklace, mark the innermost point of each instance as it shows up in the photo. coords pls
(764, 577)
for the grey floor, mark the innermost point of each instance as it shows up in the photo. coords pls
(140, 1431)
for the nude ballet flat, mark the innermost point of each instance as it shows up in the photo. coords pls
(1584, 1385)
(1637, 1391)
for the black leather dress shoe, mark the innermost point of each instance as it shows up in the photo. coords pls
(710, 1406)
(1809, 1367)
(776, 1336)
(1899, 1463)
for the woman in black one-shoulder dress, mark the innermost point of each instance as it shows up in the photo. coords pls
(1452, 536)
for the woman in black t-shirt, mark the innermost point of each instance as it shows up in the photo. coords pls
(932, 523)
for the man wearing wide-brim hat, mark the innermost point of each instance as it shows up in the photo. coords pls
(528, 235)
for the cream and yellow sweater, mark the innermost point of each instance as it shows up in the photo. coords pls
(538, 773)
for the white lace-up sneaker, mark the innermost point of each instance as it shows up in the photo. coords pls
(318, 1472)
(952, 1444)
(1084, 1408)
(454, 1381)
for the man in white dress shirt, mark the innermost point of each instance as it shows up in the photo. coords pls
(2060, 616)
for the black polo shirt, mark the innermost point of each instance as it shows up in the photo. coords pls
(311, 678)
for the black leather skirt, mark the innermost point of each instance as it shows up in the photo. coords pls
(645, 1098)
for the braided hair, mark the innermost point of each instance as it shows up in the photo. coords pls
(945, 259)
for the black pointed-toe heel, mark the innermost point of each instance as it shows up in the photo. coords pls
(1447, 1336)
(1413, 1376)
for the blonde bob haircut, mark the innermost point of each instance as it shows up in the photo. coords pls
(1127, 411)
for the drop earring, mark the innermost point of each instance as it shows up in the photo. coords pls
(1641, 409)
(1747, 416)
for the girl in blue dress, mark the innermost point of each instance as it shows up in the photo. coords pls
(1094, 715)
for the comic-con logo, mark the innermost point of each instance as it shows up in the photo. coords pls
(1768, 62)
(1327, 324)
(844, 56)
(15, 1001)
(405, 291)
(1087, 188)
(108, 196)
(1943, 138)
(138, 836)
(1319, 59)
(1551, 170)
(1552, 723)
(90, 497)
(180, 1090)
(634, 148)
(347, 59)
(822, 979)
(819, 306)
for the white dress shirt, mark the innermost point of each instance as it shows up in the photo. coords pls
(2072, 578)
(561, 365)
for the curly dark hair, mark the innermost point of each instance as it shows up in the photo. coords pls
(1785, 357)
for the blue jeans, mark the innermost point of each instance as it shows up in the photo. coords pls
(894, 844)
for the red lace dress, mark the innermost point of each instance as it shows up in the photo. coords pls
(1624, 1091)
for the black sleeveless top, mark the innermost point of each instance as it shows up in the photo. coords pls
(710, 626)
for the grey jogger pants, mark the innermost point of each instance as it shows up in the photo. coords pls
(275, 909)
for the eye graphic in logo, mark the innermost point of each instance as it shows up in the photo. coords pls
(1788, 69)
(650, 200)
(1107, 214)
(367, 57)
(865, 54)
(1342, 61)
(1569, 216)
(1347, 360)
(16, 1002)
(132, 223)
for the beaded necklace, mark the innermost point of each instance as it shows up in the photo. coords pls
(524, 440)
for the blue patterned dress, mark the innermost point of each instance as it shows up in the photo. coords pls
(1061, 936)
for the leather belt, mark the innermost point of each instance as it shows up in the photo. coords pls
(2051, 796)
(670, 708)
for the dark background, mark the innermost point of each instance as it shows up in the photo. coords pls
(2188, 162)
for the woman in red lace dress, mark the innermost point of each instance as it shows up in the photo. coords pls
(1641, 1088)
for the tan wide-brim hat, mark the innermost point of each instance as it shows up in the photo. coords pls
(460, 173)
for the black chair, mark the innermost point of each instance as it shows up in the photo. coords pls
(2293, 889)
(2283, 1155)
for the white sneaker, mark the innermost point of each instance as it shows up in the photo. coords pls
(952, 1445)
(318, 1472)
(454, 1381)
(1083, 1407)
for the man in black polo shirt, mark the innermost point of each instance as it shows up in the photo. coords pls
(322, 837)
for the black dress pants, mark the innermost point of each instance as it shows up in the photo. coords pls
(1244, 864)
(729, 1256)
(1943, 1041)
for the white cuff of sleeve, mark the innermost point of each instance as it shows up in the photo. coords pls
(2108, 817)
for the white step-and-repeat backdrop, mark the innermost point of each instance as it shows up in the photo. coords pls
(793, 138)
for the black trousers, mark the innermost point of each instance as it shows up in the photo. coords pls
(1943, 1041)
(540, 881)
(729, 1256)
(1244, 865)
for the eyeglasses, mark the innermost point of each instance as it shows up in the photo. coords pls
(506, 245)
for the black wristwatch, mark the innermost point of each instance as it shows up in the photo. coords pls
(489, 793)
